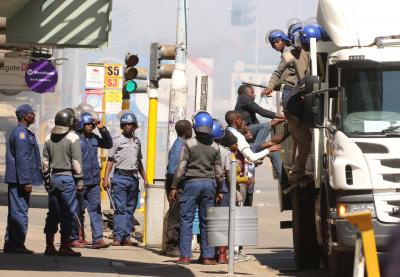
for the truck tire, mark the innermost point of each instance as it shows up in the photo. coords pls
(307, 252)
(339, 263)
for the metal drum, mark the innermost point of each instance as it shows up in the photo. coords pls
(246, 226)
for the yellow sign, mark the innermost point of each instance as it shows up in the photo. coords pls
(113, 95)
(113, 70)
(113, 76)
(113, 99)
(112, 83)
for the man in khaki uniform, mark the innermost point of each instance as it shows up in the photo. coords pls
(294, 66)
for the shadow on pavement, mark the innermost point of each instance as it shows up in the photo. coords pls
(282, 259)
(222, 272)
(41, 263)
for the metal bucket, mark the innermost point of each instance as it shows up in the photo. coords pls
(246, 226)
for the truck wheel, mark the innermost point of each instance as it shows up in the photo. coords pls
(339, 263)
(307, 252)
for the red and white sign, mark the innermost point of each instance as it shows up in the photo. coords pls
(94, 77)
(94, 97)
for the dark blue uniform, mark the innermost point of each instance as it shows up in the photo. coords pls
(90, 196)
(23, 167)
(126, 154)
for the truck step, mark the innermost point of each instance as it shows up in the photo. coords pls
(286, 224)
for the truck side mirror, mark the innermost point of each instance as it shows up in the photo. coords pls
(314, 110)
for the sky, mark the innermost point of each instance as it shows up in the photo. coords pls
(137, 23)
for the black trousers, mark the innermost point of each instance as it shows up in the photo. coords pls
(173, 220)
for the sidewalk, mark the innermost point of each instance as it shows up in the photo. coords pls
(114, 261)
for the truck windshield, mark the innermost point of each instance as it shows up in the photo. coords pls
(371, 100)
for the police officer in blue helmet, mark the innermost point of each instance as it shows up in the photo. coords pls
(294, 26)
(308, 32)
(23, 170)
(218, 133)
(198, 170)
(278, 40)
(89, 198)
(126, 158)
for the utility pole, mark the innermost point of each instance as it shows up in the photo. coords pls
(178, 94)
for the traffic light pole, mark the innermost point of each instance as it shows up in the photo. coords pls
(178, 95)
(152, 135)
(151, 149)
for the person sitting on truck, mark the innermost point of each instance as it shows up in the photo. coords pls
(296, 63)
(248, 109)
(279, 40)
(235, 123)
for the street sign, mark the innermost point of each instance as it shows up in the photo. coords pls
(94, 97)
(114, 70)
(113, 76)
(12, 74)
(113, 83)
(94, 77)
(113, 99)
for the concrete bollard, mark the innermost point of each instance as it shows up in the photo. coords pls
(156, 207)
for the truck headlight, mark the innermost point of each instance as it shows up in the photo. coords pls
(344, 209)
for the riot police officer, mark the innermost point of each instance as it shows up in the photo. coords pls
(126, 157)
(22, 171)
(198, 170)
(62, 172)
(90, 196)
(278, 40)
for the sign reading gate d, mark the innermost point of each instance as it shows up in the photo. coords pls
(41, 76)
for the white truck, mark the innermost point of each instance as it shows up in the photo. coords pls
(354, 113)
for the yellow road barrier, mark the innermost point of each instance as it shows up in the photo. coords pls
(362, 221)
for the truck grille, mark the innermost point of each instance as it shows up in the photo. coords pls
(383, 160)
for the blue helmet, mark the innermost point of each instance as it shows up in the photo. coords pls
(277, 34)
(218, 131)
(128, 118)
(203, 122)
(86, 118)
(308, 32)
(324, 34)
(293, 29)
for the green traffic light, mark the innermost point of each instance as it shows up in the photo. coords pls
(130, 86)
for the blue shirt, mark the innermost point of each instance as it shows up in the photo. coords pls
(90, 161)
(23, 165)
(173, 156)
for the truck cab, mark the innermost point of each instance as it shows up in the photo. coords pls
(354, 115)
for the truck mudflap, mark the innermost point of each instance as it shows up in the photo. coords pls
(346, 233)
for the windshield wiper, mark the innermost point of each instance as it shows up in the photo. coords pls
(390, 129)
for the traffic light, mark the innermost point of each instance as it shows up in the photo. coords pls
(133, 77)
(243, 12)
(158, 68)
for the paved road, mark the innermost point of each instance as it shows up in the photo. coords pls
(275, 244)
(274, 250)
